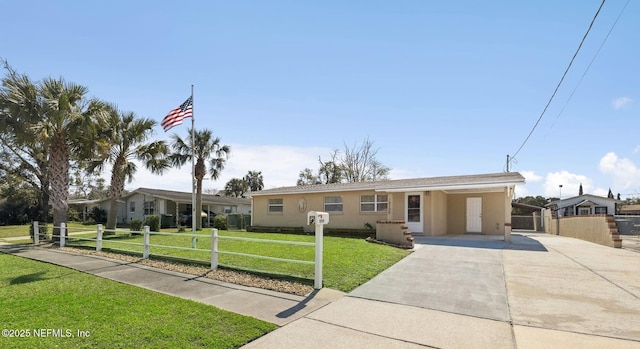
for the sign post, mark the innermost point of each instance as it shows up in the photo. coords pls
(319, 219)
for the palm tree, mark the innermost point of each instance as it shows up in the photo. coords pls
(24, 155)
(51, 122)
(254, 180)
(206, 148)
(236, 187)
(127, 137)
(68, 126)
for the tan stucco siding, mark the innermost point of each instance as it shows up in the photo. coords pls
(437, 214)
(492, 212)
(397, 207)
(350, 218)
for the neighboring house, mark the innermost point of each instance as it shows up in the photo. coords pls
(172, 206)
(433, 206)
(581, 205)
(629, 210)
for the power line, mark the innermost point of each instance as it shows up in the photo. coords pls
(560, 82)
(590, 63)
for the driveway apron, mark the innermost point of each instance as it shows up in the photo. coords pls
(462, 275)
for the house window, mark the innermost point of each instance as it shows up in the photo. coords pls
(333, 203)
(149, 208)
(374, 203)
(583, 211)
(601, 210)
(227, 209)
(275, 206)
(132, 206)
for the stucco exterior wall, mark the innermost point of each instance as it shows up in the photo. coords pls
(589, 228)
(437, 218)
(291, 216)
(442, 213)
(493, 213)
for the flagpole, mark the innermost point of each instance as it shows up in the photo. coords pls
(193, 174)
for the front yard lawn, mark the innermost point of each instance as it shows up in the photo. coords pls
(347, 262)
(37, 296)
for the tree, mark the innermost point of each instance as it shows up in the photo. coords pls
(236, 187)
(610, 194)
(68, 127)
(580, 192)
(23, 155)
(56, 114)
(306, 177)
(359, 163)
(254, 180)
(355, 164)
(127, 137)
(330, 171)
(206, 148)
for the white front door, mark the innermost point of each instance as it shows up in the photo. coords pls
(474, 215)
(413, 212)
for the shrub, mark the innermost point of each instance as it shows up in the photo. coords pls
(73, 215)
(98, 215)
(153, 222)
(135, 225)
(220, 222)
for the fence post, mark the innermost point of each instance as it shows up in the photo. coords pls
(317, 283)
(145, 253)
(36, 233)
(99, 239)
(62, 234)
(214, 249)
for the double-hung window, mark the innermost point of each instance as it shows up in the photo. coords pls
(333, 203)
(275, 206)
(374, 203)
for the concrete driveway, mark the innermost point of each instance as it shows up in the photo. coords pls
(539, 291)
(631, 242)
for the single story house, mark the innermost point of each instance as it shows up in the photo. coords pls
(429, 206)
(629, 210)
(172, 206)
(586, 204)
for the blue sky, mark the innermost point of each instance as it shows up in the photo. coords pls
(442, 88)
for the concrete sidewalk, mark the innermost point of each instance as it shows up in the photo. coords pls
(275, 307)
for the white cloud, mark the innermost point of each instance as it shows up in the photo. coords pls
(624, 172)
(570, 184)
(621, 102)
(531, 176)
(280, 166)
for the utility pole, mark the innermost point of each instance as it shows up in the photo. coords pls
(507, 162)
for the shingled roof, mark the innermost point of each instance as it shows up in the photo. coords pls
(412, 184)
(180, 196)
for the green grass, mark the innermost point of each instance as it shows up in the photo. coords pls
(347, 262)
(8, 231)
(37, 295)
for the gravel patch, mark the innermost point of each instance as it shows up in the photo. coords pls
(231, 276)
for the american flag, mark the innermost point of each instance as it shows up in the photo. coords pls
(175, 116)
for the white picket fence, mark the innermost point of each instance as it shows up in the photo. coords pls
(214, 250)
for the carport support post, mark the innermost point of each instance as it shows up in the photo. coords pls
(317, 284)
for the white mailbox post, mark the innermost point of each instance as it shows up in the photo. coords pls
(319, 219)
